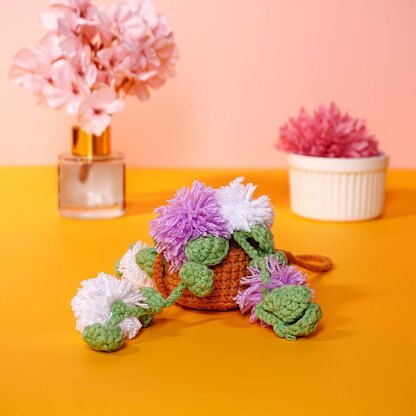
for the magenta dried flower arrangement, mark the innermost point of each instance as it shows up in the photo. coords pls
(327, 133)
(92, 57)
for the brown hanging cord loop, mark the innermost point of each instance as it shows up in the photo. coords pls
(312, 262)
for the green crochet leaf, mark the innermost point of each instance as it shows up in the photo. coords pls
(287, 303)
(304, 326)
(103, 338)
(264, 238)
(145, 259)
(256, 243)
(198, 278)
(289, 310)
(207, 250)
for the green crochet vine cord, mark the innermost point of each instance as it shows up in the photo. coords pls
(207, 251)
(289, 310)
(264, 247)
(110, 337)
(278, 255)
(260, 262)
(145, 259)
(103, 338)
(199, 279)
(155, 301)
(241, 237)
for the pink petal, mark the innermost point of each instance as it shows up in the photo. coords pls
(115, 106)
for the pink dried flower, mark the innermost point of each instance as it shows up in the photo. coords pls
(97, 109)
(129, 49)
(327, 133)
(33, 66)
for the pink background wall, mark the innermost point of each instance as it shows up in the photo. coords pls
(245, 67)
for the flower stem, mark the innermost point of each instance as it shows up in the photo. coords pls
(175, 294)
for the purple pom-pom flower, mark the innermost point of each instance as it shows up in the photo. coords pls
(191, 214)
(280, 275)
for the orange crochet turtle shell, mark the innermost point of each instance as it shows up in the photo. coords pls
(227, 277)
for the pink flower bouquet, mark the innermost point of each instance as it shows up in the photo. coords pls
(92, 57)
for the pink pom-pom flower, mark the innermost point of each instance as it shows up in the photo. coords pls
(327, 133)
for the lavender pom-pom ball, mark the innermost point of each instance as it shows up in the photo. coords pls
(191, 214)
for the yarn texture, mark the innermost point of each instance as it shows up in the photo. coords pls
(289, 311)
(197, 278)
(214, 250)
(191, 214)
(226, 281)
(207, 250)
(96, 297)
(240, 209)
(137, 273)
(254, 287)
(145, 259)
(101, 338)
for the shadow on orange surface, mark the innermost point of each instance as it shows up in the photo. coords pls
(334, 298)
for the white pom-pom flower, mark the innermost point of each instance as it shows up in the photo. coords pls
(130, 270)
(241, 211)
(92, 304)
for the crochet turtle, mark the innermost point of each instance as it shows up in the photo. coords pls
(213, 249)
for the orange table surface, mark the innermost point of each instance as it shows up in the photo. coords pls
(361, 360)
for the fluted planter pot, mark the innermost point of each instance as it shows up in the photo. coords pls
(337, 189)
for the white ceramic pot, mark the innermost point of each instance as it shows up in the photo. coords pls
(337, 189)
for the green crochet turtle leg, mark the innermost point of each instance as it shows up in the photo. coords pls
(289, 310)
